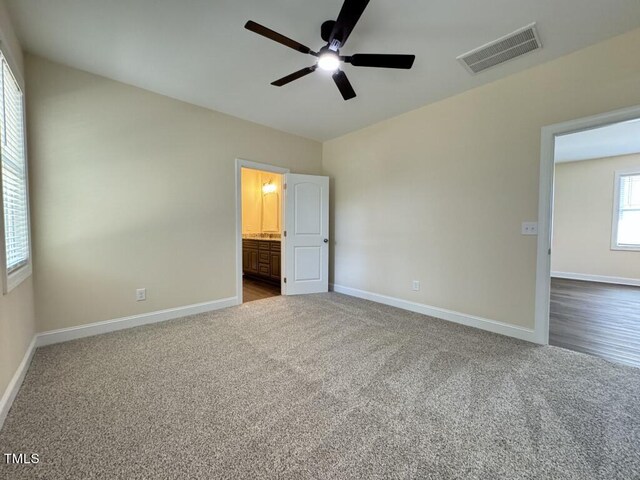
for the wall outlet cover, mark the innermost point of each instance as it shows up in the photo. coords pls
(529, 228)
(141, 294)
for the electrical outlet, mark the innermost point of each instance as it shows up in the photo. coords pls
(529, 228)
(141, 294)
(415, 286)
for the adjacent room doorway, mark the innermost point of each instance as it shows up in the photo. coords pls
(282, 232)
(261, 233)
(589, 244)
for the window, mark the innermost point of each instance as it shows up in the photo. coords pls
(15, 205)
(626, 212)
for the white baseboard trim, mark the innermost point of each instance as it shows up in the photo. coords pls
(81, 331)
(597, 278)
(16, 382)
(441, 313)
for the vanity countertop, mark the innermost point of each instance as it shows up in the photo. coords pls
(261, 236)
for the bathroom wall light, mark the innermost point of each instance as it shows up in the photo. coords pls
(269, 188)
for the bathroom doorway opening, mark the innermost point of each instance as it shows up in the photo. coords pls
(261, 221)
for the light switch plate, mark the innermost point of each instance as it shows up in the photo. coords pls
(529, 228)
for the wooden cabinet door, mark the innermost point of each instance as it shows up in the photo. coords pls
(275, 266)
(246, 259)
(253, 261)
(263, 257)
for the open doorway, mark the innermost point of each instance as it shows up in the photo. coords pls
(261, 221)
(595, 242)
(290, 231)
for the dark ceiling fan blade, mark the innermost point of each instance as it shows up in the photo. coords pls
(381, 60)
(294, 76)
(344, 85)
(347, 19)
(277, 37)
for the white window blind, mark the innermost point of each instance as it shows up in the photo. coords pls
(14, 172)
(628, 228)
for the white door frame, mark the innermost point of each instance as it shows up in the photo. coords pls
(545, 205)
(240, 164)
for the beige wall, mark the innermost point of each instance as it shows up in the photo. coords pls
(132, 189)
(582, 219)
(438, 194)
(261, 212)
(17, 324)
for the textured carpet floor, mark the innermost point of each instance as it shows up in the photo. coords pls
(321, 386)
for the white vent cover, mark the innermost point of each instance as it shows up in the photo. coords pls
(507, 48)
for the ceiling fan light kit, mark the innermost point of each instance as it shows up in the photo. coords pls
(328, 61)
(335, 33)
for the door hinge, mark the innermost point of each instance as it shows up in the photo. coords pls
(284, 186)
(285, 233)
(549, 251)
(285, 279)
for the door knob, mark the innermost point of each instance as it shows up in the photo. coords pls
(326, 240)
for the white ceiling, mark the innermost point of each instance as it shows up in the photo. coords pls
(199, 52)
(610, 141)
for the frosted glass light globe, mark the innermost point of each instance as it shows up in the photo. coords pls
(329, 62)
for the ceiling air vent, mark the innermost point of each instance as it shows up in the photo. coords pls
(507, 48)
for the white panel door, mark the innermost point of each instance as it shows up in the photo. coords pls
(307, 234)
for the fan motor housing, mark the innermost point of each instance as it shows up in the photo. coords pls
(326, 29)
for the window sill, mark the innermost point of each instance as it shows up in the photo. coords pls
(16, 278)
(625, 248)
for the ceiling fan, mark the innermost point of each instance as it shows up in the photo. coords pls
(335, 33)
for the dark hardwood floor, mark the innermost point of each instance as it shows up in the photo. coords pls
(256, 290)
(596, 318)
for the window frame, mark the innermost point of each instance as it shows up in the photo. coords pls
(616, 210)
(19, 275)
